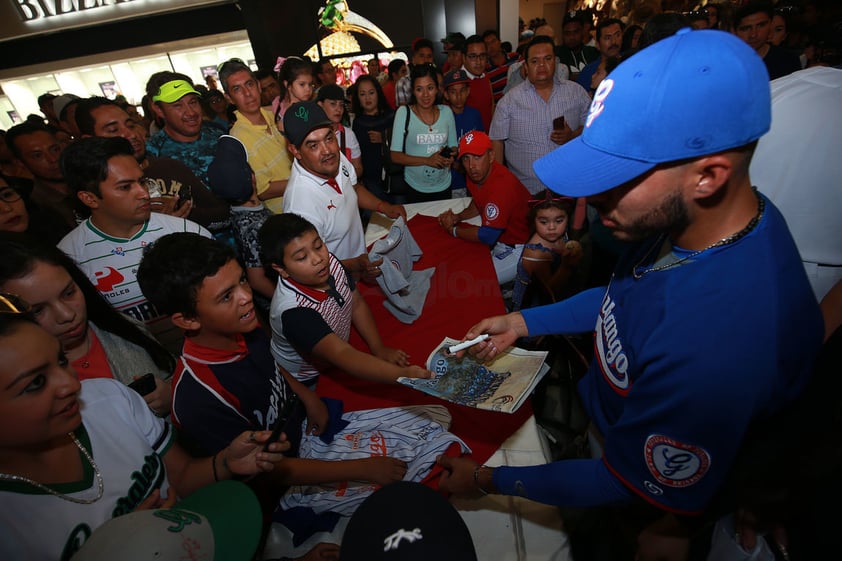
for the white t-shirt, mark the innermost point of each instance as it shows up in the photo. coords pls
(352, 145)
(336, 216)
(127, 443)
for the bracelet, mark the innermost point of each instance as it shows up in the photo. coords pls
(213, 464)
(454, 232)
(476, 480)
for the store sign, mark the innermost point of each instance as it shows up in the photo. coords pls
(21, 18)
(30, 10)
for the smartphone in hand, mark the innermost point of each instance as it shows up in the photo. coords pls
(144, 385)
(558, 123)
(185, 193)
(283, 417)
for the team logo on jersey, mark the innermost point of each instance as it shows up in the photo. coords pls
(611, 356)
(107, 279)
(492, 211)
(674, 463)
(345, 172)
(598, 103)
(118, 251)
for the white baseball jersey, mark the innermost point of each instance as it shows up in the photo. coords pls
(415, 434)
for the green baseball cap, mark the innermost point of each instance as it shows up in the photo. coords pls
(174, 90)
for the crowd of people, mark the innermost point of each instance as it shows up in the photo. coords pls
(216, 242)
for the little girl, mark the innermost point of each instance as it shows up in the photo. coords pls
(549, 258)
(296, 78)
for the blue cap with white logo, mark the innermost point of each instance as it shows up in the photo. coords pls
(689, 95)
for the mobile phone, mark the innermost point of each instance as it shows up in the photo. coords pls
(558, 123)
(280, 424)
(144, 385)
(184, 194)
(446, 152)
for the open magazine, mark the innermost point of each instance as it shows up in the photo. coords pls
(502, 385)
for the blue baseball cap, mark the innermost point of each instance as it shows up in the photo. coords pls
(689, 95)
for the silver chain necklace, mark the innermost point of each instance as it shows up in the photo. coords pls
(100, 486)
(638, 270)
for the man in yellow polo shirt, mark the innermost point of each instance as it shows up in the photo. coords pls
(266, 146)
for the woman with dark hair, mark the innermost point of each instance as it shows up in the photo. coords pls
(372, 123)
(77, 454)
(429, 129)
(631, 37)
(98, 340)
(19, 214)
(396, 70)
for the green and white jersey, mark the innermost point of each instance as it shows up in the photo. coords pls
(111, 264)
(127, 442)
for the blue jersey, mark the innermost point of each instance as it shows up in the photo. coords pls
(218, 394)
(686, 358)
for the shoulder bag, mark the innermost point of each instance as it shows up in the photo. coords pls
(393, 180)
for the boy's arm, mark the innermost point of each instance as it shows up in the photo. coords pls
(317, 413)
(363, 320)
(342, 355)
(260, 282)
(311, 334)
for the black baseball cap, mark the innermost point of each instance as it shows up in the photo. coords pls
(406, 521)
(229, 174)
(302, 118)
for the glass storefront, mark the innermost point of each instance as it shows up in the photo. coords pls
(117, 73)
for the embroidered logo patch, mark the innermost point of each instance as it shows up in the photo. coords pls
(491, 211)
(393, 541)
(598, 105)
(673, 463)
(469, 138)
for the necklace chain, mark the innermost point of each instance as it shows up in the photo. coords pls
(99, 483)
(638, 270)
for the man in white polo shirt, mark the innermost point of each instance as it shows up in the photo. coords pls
(323, 188)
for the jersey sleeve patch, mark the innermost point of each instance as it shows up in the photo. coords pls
(673, 463)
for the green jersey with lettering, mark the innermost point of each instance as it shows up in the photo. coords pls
(127, 443)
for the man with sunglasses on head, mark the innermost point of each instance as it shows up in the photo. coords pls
(254, 127)
(185, 136)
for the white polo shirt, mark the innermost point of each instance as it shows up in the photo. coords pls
(336, 216)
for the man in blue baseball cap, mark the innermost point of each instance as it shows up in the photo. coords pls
(708, 325)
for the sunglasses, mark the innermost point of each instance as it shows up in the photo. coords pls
(237, 61)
